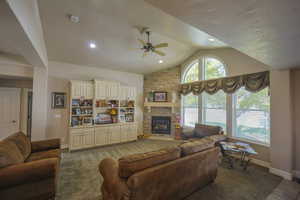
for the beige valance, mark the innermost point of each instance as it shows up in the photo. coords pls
(252, 82)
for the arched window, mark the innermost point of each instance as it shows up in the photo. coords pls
(248, 113)
(206, 109)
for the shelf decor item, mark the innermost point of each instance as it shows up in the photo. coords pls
(58, 100)
(160, 96)
(150, 96)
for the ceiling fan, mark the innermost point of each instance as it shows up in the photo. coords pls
(148, 46)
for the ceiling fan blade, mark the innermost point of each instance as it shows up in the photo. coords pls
(142, 42)
(133, 49)
(159, 53)
(161, 45)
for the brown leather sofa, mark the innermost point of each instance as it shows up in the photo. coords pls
(167, 174)
(203, 131)
(28, 170)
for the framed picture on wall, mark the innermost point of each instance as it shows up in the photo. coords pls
(58, 100)
(160, 96)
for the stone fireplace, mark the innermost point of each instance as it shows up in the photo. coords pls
(166, 80)
(161, 125)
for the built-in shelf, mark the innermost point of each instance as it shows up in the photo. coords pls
(82, 115)
(171, 105)
(82, 106)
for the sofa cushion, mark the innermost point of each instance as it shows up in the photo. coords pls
(202, 130)
(54, 153)
(196, 146)
(9, 154)
(187, 133)
(128, 165)
(22, 142)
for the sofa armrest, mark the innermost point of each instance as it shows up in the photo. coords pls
(44, 145)
(28, 172)
(113, 187)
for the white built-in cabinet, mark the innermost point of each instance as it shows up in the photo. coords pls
(82, 138)
(100, 135)
(113, 90)
(100, 90)
(82, 89)
(127, 93)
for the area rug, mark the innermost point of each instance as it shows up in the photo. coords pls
(80, 179)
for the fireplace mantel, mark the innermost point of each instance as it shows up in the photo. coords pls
(171, 105)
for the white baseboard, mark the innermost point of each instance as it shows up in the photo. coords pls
(64, 146)
(261, 163)
(283, 174)
(256, 161)
(296, 173)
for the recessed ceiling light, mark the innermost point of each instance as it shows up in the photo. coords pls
(160, 61)
(212, 39)
(93, 45)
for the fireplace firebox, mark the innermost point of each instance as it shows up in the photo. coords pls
(161, 125)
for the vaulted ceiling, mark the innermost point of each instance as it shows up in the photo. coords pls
(110, 24)
(267, 30)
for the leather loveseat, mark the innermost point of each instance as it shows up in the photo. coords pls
(28, 170)
(166, 174)
(200, 131)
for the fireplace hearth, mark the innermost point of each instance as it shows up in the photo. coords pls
(161, 125)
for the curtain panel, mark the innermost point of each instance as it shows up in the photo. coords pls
(252, 83)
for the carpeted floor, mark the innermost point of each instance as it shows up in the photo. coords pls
(80, 179)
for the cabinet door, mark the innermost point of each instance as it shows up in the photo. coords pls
(131, 93)
(124, 133)
(115, 134)
(101, 90)
(89, 137)
(76, 89)
(132, 132)
(76, 141)
(113, 90)
(88, 90)
(123, 93)
(101, 136)
(76, 138)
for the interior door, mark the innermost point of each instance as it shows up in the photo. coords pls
(9, 111)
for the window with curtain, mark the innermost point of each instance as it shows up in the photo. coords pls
(214, 106)
(206, 109)
(251, 119)
(190, 102)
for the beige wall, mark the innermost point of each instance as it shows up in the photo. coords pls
(281, 122)
(15, 83)
(236, 62)
(57, 124)
(296, 118)
(60, 75)
(13, 69)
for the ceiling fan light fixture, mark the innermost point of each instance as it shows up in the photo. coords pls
(92, 45)
(74, 19)
(160, 61)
